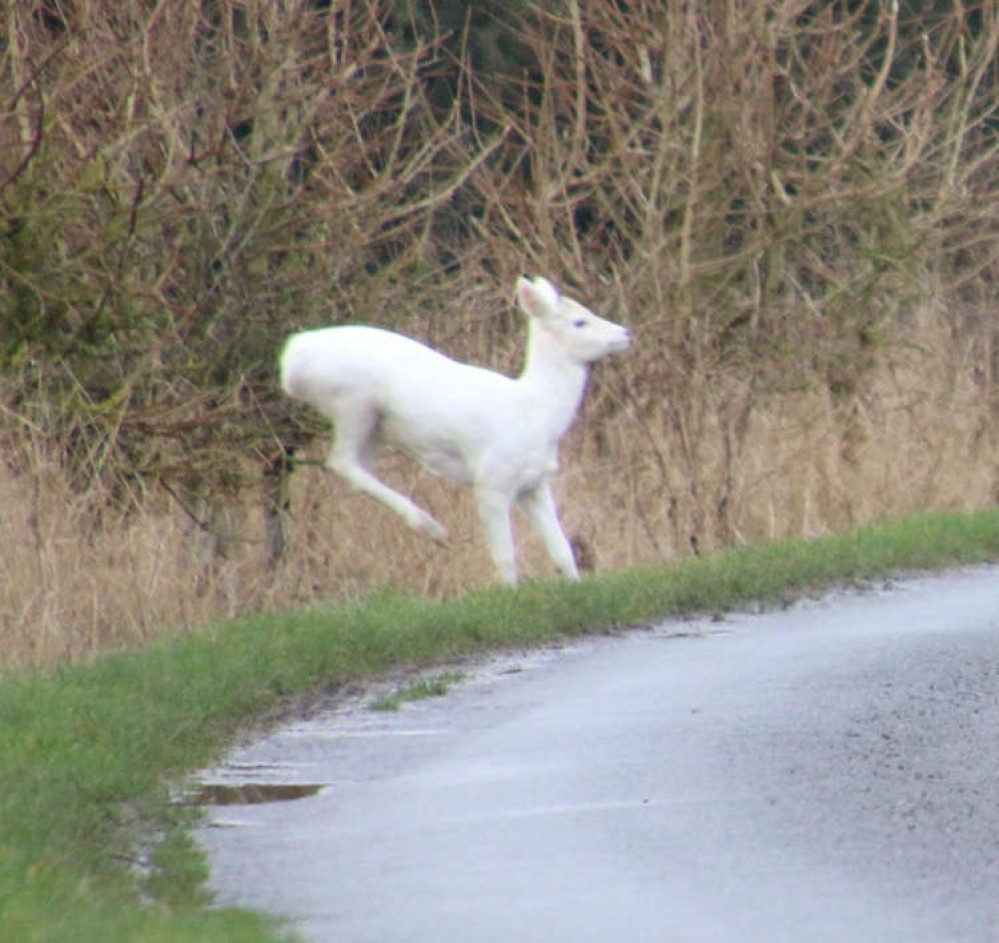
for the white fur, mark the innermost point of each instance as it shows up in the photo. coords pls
(499, 435)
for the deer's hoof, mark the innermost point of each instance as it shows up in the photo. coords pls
(432, 529)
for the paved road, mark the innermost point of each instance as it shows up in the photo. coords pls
(827, 773)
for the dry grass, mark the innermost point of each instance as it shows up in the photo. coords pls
(719, 462)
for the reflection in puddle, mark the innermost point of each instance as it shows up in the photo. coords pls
(253, 793)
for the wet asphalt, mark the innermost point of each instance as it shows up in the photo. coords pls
(825, 773)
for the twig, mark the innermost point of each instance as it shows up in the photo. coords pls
(186, 508)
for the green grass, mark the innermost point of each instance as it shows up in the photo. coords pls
(86, 751)
(435, 686)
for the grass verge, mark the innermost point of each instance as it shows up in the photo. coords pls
(87, 749)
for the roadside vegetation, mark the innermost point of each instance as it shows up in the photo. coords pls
(431, 686)
(793, 205)
(94, 845)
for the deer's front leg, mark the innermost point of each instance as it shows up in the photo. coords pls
(539, 505)
(494, 512)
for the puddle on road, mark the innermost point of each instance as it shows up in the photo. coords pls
(252, 793)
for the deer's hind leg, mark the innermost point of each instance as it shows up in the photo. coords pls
(354, 447)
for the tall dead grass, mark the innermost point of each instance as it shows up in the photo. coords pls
(717, 463)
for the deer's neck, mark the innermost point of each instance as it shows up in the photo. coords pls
(552, 382)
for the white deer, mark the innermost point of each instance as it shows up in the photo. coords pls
(474, 426)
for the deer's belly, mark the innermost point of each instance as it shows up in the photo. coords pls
(444, 463)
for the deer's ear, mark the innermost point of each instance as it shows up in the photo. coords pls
(538, 298)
